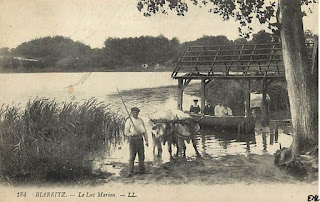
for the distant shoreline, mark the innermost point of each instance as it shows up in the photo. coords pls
(64, 70)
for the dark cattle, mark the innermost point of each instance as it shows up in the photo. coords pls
(187, 130)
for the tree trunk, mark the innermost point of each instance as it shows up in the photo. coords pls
(301, 80)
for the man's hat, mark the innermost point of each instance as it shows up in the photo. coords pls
(135, 109)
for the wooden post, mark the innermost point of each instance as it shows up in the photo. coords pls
(264, 140)
(203, 92)
(247, 108)
(264, 108)
(239, 129)
(276, 134)
(271, 138)
(180, 94)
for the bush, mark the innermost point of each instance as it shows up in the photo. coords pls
(52, 141)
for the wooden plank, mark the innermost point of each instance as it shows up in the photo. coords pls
(247, 99)
(233, 45)
(270, 59)
(247, 107)
(218, 70)
(214, 60)
(202, 94)
(260, 46)
(180, 94)
(187, 81)
(241, 76)
(235, 65)
(225, 122)
(242, 55)
(232, 60)
(260, 49)
(210, 61)
(264, 109)
(176, 70)
(232, 77)
(195, 65)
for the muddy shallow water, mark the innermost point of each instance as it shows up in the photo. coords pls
(148, 91)
(211, 145)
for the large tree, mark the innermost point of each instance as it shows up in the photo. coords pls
(285, 18)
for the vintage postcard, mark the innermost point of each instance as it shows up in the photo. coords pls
(159, 100)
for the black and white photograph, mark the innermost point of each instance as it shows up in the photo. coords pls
(159, 100)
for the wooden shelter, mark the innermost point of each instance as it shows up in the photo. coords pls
(243, 62)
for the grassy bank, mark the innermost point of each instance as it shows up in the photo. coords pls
(51, 141)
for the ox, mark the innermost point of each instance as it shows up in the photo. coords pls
(174, 131)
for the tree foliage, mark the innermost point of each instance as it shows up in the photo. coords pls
(142, 50)
(62, 52)
(244, 11)
(54, 51)
(209, 41)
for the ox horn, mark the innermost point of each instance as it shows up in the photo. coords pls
(152, 120)
(200, 119)
(176, 120)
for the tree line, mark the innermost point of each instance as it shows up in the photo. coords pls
(62, 53)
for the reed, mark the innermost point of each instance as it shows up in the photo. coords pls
(48, 140)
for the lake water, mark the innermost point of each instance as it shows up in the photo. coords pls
(150, 91)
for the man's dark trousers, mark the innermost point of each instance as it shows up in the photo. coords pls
(136, 146)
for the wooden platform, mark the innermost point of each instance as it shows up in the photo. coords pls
(225, 123)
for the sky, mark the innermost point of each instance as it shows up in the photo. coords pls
(93, 21)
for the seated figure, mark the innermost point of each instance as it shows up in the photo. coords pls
(225, 111)
(209, 110)
(217, 110)
(195, 108)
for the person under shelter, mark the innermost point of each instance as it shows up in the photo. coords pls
(225, 111)
(195, 108)
(209, 110)
(217, 109)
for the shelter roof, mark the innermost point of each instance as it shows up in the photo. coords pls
(233, 61)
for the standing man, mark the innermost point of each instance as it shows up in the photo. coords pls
(136, 130)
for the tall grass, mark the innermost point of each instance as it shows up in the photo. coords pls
(52, 141)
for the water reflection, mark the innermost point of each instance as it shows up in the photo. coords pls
(264, 141)
(157, 161)
(211, 144)
(155, 91)
(203, 142)
(271, 138)
(217, 144)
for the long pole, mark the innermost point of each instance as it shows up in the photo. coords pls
(124, 104)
